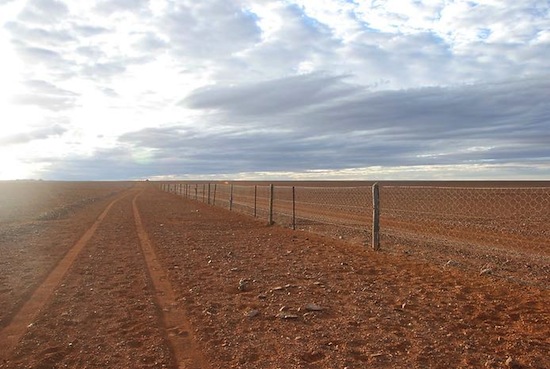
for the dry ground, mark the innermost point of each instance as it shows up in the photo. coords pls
(139, 278)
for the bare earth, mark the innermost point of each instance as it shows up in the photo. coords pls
(139, 278)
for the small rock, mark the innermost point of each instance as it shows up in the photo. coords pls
(262, 296)
(511, 363)
(285, 315)
(252, 313)
(451, 263)
(486, 271)
(243, 284)
(313, 307)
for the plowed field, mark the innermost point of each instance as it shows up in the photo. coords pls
(104, 275)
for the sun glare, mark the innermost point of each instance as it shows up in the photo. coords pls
(12, 168)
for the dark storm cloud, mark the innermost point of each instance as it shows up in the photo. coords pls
(37, 134)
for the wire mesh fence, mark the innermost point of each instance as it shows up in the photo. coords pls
(507, 217)
(481, 216)
(473, 228)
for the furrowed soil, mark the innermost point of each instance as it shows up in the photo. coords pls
(144, 279)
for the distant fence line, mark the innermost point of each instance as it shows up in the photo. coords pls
(491, 216)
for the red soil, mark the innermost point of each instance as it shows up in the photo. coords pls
(166, 282)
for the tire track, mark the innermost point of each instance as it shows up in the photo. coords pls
(178, 327)
(14, 331)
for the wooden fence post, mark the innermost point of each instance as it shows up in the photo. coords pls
(214, 197)
(293, 208)
(208, 193)
(270, 217)
(376, 216)
(196, 192)
(231, 197)
(255, 199)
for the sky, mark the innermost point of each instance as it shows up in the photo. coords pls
(275, 89)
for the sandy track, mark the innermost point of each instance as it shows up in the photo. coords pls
(180, 333)
(12, 333)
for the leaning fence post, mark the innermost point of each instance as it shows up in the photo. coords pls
(376, 216)
(231, 197)
(270, 217)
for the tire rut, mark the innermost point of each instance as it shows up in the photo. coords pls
(12, 333)
(178, 328)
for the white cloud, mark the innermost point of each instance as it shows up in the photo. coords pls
(346, 84)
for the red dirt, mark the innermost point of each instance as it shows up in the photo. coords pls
(165, 282)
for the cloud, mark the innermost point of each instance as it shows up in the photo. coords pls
(114, 6)
(259, 127)
(39, 35)
(89, 30)
(208, 29)
(284, 86)
(46, 96)
(291, 42)
(36, 134)
(272, 97)
(150, 42)
(44, 11)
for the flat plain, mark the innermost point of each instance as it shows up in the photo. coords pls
(113, 275)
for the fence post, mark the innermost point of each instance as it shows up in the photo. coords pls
(255, 199)
(231, 196)
(270, 217)
(208, 193)
(214, 199)
(376, 216)
(196, 192)
(293, 208)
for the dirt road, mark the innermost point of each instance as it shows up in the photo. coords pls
(154, 281)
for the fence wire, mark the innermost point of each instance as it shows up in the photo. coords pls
(508, 217)
(483, 216)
